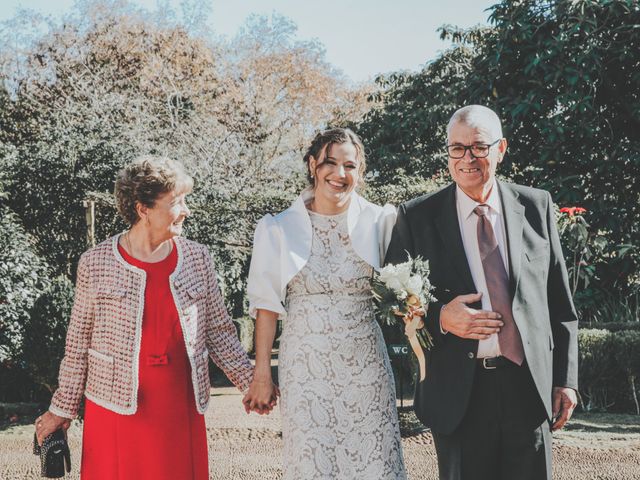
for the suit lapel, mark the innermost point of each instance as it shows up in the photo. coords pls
(514, 224)
(449, 230)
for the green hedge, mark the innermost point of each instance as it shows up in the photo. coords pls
(612, 326)
(45, 334)
(609, 369)
(32, 375)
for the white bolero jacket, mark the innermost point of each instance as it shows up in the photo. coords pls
(282, 246)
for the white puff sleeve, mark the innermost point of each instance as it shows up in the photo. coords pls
(264, 288)
(386, 222)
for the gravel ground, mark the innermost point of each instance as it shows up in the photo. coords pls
(247, 447)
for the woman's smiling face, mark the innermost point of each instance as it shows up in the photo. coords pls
(336, 172)
(165, 218)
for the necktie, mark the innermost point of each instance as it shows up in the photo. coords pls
(498, 285)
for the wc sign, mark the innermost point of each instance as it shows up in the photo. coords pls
(398, 350)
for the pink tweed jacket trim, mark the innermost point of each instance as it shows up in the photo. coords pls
(103, 340)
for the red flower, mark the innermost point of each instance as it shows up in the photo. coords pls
(571, 211)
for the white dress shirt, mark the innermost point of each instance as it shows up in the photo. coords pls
(468, 222)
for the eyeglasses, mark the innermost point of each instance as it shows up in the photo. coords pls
(478, 150)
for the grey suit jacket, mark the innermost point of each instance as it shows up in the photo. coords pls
(542, 305)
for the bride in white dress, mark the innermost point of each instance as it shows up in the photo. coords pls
(312, 266)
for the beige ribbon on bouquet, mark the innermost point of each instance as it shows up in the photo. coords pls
(410, 328)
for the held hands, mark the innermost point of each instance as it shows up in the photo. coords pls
(47, 423)
(563, 402)
(262, 396)
(456, 317)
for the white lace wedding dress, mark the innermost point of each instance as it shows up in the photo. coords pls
(338, 404)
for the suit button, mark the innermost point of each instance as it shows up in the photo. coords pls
(470, 355)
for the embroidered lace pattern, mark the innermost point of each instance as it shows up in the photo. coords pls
(338, 399)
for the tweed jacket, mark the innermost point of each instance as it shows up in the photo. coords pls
(103, 340)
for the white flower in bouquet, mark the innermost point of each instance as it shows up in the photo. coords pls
(387, 273)
(414, 285)
(397, 278)
(396, 285)
(403, 273)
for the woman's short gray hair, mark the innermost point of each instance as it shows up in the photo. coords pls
(144, 180)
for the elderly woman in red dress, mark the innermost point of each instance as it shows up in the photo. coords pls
(147, 316)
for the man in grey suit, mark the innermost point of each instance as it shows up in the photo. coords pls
(503, 369)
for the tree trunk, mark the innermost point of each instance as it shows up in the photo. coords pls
(632, 381)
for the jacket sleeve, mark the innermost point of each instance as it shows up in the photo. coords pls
(562, 313)
(264, 284)
(401, 246)
(73, 368)
(222, 339)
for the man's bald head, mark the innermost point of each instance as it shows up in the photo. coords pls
(479, 117)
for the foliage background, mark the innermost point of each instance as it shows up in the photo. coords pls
(82, 96)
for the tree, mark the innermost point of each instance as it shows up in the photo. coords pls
(564, 76)
(85, 96)
(405, 131)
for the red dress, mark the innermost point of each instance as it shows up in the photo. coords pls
(166, 438)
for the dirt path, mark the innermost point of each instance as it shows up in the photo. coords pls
(604, 447)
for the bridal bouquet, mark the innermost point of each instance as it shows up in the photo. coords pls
(403, 293)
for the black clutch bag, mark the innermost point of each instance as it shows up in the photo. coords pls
(54, 455)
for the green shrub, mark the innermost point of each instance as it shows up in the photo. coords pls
(608, 369)
(595, 368)
(45, 333)
(612, 307)
(627, 355)
(17, 385)
(23, 277)
(403, 188)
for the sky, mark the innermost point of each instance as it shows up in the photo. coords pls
(362, 37)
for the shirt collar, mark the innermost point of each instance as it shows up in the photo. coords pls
(467, 204)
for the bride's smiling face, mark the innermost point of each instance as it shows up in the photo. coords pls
(336, 172)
